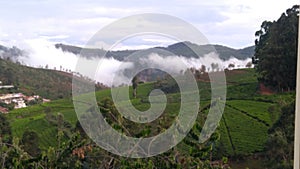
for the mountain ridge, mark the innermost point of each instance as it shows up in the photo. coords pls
(186, 49)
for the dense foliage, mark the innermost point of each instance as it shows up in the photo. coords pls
(5, 129)
(280, 145)
(276, 51)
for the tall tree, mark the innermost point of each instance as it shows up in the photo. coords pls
(276, 51)
(134, 85)
(203, 69)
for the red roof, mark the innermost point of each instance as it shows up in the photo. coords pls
(3, 110)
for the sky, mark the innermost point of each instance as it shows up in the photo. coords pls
(226, 22)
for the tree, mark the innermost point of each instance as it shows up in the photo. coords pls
(197, 74)
(30, 142)
(5, 130)
(134, 85)
(203, 69)
(276, 51)
(13, 156)
(280, 145)
(8, 74)
(231, 65)
(249, 65)
(214, 66)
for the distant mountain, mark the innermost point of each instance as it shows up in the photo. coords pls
(11, 53)
(89, 53)
(185, 49)
(248, 51)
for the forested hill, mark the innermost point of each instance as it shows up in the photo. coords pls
(180, 49)
(51, 84)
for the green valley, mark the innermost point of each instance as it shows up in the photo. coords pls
(242, 131)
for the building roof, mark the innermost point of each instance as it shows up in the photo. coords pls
(3, 110)
(6, 86)
(11, 96)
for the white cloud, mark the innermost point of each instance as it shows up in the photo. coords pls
(157, 40)
(42, 53)
(143, 42)
(79, 20)
(55, 37)
(110, 71)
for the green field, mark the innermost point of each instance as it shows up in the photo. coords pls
(254, 109)
(247, 134)
(243, 127)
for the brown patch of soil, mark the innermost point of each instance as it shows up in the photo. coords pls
(265, 90)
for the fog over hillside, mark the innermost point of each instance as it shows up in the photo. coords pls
(40, 52)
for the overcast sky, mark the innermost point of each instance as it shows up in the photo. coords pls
(226, 22)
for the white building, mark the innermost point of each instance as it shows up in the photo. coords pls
(5, 86)
(16, 98)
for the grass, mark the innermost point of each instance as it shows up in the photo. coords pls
(46, 132)
(260, 110)
(241, 76)
(33, 119)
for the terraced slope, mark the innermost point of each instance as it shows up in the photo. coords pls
(242, 129)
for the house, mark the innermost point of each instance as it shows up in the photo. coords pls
(30, 98)
(16, 98)
(5, 86)
(3, 110)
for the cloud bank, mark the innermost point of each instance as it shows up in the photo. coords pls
(42, 52)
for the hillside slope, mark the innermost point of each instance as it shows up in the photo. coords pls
(47, 83)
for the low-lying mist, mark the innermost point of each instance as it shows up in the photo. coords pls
(42, 53)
